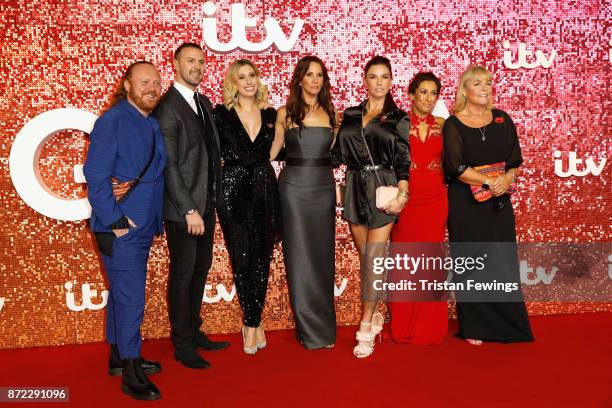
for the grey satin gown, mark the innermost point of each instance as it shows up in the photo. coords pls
(308, 200)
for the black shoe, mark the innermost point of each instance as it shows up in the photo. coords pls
(189, 358)
(115, 364)
(136, 384)
(203, 342)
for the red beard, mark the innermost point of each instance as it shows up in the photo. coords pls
(143, 102)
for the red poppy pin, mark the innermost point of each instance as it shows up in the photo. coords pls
(383, 118)
(499, 119)
(270, 125)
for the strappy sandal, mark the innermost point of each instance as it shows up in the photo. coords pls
(377, 323)
(365, 342)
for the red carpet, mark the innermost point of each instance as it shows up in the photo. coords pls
(569, 365)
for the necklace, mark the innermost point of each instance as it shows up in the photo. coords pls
(482, 133)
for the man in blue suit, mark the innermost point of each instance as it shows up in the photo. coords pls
(126, 148)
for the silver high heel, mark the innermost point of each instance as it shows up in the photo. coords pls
(248, 350)
(264, 343)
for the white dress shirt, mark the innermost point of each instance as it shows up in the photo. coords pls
(187, 94)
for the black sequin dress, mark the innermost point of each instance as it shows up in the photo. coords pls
(250, 211)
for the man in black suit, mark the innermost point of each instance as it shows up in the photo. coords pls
(193, 186)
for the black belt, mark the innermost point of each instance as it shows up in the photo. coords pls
(369, 167)
(308, 162)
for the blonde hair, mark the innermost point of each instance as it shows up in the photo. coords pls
(230, 89)
(469, 74)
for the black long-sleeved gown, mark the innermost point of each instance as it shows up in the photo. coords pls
(250, 210)
(489, 227)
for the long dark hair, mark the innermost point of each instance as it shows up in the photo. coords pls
(120, 91)
(390, 104)
(296, 106)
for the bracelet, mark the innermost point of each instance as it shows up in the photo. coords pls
(402, 193)
(400, 203)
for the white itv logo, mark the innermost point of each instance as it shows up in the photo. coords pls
(274, 34)
(87, 297)
(521, 61)
(590, 167)
(223, 294)
(540, 274)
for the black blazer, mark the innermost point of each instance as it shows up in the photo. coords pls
(186, 172)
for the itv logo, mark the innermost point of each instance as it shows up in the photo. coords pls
(274, 34)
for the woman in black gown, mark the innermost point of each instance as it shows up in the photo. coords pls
(306, 127)
(249, 214)
(478, 135)
(373, 143)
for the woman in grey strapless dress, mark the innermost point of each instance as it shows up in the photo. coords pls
(308, 201)
(305, 126)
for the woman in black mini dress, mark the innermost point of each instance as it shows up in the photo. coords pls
(373, 143)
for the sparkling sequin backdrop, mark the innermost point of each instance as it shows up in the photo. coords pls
(70, 53)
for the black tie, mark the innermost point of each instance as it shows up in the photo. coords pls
(198, 107)
(210, 147)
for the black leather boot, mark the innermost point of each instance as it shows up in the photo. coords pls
(202, 341)
(135, 383)
(115, 364)
(190, 358)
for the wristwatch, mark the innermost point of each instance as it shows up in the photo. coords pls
(190, 212)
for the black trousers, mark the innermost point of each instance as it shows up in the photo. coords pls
(190, 261)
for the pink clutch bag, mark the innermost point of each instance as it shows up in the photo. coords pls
(384, 195)
(491, 171)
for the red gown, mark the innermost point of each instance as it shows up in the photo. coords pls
(422, 220)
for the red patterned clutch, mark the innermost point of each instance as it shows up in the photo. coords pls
(491, 171)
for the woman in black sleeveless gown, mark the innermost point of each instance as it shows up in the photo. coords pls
(250, 211)
(478, 135)
(306, 126)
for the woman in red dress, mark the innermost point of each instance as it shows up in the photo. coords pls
(423, 220)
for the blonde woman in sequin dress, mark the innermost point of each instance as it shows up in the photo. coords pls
(250, 210)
